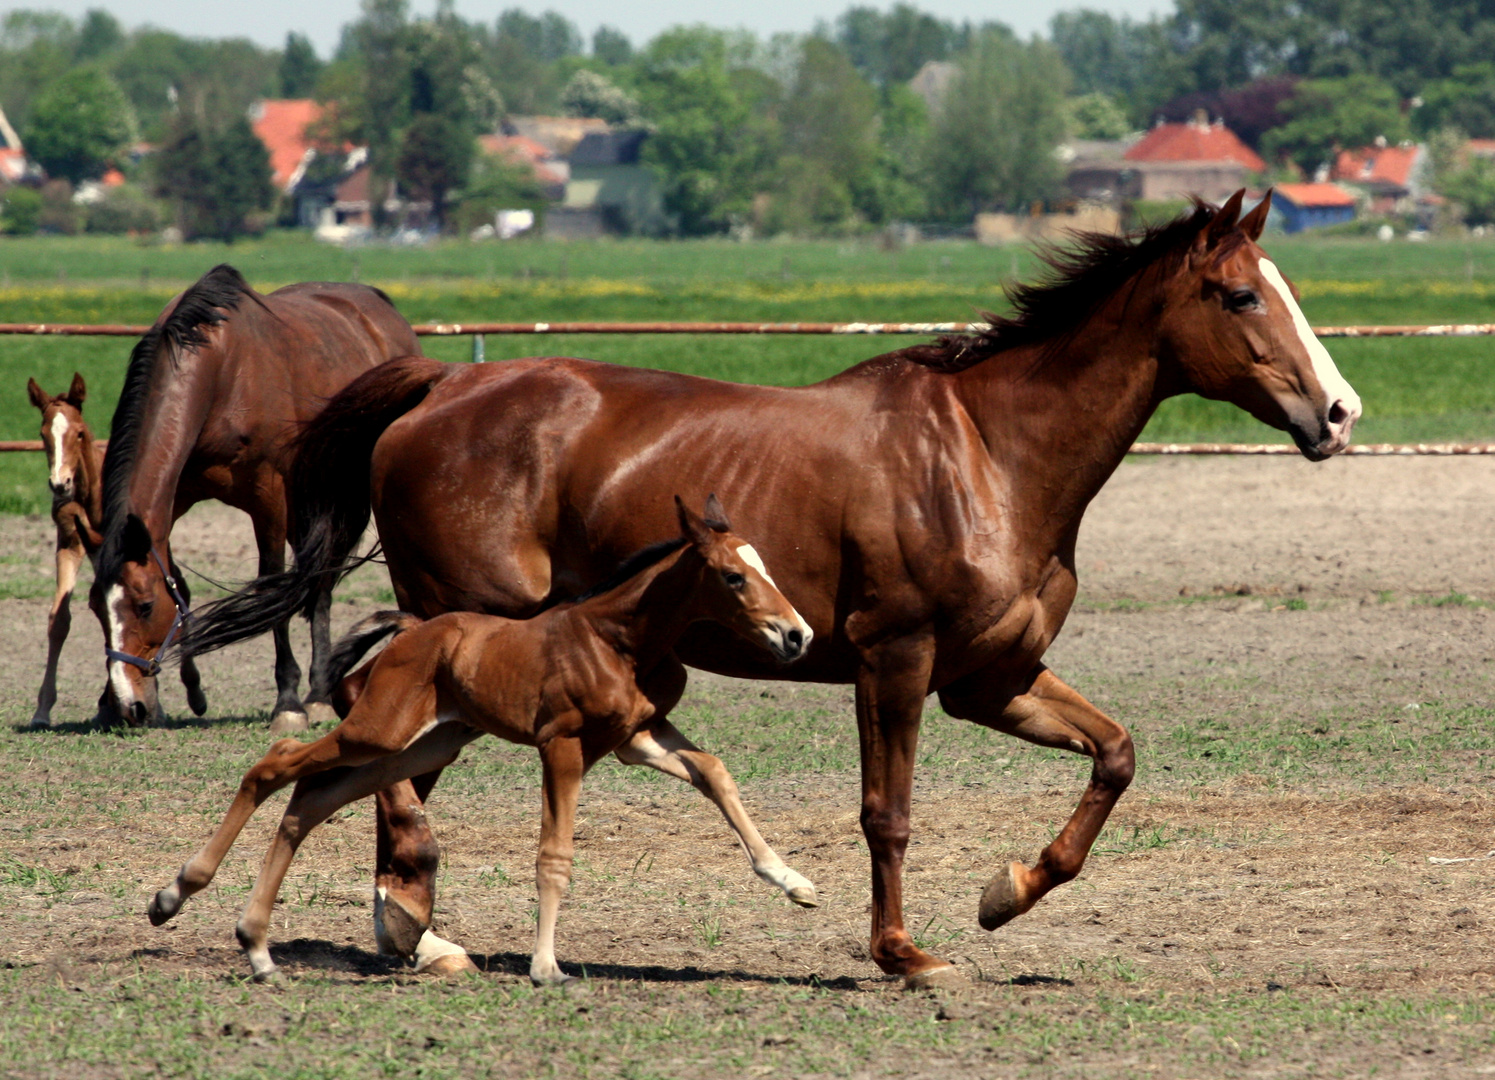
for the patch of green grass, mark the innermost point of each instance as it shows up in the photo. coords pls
(1454, 599)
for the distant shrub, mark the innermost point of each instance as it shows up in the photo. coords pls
(123, 209)
(20, 210)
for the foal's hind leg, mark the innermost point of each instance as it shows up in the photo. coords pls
(662, 747)
(59, 621)
(1051, 714)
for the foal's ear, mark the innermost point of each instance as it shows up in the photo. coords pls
(1224, 221)
(1253, 223)
(136, 541)
(716, 517)
(76, 393)
(692, 526)
(37, 395)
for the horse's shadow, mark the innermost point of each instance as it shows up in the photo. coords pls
(184, 722)
(324, 957)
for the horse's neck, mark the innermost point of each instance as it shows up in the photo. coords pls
(645, 616)
(1069, 417)
(172, 418)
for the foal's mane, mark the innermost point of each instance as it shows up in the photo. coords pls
(1081, 276)
(204, 305)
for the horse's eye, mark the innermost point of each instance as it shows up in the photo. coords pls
(735, 581)
(146, 609)
(1242, 300)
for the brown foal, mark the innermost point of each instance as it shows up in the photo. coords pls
(75, 475)
(577, 682)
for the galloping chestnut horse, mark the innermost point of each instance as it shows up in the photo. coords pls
(920, 509)
(212, 395)
(74, 473)
(577, 682)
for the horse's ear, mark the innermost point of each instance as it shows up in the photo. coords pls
(692, 527)
(1256, 221)
(77, 393)
(136, 542)
(716, 517)
(37, 395)
(1224, 221)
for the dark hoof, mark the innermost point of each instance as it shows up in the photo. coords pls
(161, 910)
(402, 930)
(1002, 899)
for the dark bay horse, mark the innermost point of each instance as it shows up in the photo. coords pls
(577, 682)
(920, 509)
(75, 475)
(213, 392)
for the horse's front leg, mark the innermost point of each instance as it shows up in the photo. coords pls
(1051, 714)
(59, 621)
(890, 692)
(191, 678)
(289, 715)
(661, 746)
(564, 765)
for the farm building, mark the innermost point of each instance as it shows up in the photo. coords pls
(1393, 176)
(1193, 158)
(610, 189)
(330, 194)
(12, 155)
(1312, 206)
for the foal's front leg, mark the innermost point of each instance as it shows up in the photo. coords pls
(661, 746)
(1051, 714)
(564, 765)
(59, 621)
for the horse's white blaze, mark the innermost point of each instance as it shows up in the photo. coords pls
(119, 679)
(55, 437)
(1336, 387)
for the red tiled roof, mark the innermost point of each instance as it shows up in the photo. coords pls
(12, 164)
(1376, 164)
(1314, 194)
(281, 126)
(1194, 142)
(523, 150)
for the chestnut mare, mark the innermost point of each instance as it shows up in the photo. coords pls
(74, 473)
(577, 682)
(212, 395)
(920, 509)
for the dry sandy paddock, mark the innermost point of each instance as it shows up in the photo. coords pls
(1303, 653)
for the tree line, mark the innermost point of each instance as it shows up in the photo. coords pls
(817, 133)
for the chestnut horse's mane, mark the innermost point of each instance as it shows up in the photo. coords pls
(1081, 276)
(203, 306)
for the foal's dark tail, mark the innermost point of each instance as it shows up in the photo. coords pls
(364, 635)
(328, 489)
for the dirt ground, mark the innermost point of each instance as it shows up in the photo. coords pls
(1209, 587)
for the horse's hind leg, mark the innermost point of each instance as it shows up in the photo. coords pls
(661, 746)
(59, 621)
(191, 678)
(289, 716)
(1051, 714)
(319, 708)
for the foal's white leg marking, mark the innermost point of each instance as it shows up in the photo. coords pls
(56, 435)
(1336, 387)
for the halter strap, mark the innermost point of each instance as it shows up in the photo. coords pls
(152, 667)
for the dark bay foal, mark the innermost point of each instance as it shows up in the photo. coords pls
(579, 681)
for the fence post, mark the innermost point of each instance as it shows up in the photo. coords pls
(477, 348)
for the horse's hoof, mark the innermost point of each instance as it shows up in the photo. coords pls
(288, 723)
(321, 714)
(804, 896)
(163, 906)
(399, 931)
(1002, 900)
(945, 977)
(446, 967)
(40, 721)
(271, 977)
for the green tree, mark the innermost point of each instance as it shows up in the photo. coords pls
(611, 46)
(435, 157)
(891, 47)
(20, 210)
(299, 67)
(79, 124)
(994, 135)
(1095, 116)
(588, 93)
(1325, 115)
(1465, 100)
(1466, 180)
(216, 177)
(98, 35)
(547, 37)
(36, 49)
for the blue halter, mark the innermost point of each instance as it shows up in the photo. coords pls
(152, 667)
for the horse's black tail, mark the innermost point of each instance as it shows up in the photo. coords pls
(328, 489)
(364, 635)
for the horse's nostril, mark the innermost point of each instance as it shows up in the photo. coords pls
(1338, 414)
(138, 714)
(795, 639)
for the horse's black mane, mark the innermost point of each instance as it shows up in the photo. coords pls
(635, 564)
(1081, 276)
(203, 306)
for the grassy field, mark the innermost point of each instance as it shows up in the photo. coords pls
(1414, 390)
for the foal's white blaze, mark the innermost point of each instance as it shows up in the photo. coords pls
(1336, 387)
(119, 679)
(749, 555)
(55, 437)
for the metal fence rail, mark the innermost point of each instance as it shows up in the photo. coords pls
(477, 331)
